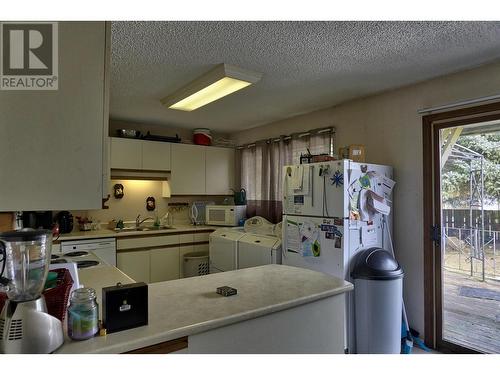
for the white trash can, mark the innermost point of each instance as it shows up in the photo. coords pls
(195, 264)
(378, 302)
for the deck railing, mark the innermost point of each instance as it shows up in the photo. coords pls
(463, 250)
(460, 217)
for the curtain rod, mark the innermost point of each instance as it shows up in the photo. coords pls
(330, 129)
(459, 104)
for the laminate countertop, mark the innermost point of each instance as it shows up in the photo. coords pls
(102, 276)
(189, 306)
(107, 233)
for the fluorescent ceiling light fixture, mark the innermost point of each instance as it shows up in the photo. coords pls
(221, 81)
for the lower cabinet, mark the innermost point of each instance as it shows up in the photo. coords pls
(158, 258)
(201, 247)
(164, 264)
(150, 266)
(134, 264)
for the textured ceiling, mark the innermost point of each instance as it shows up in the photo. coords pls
(306, 65)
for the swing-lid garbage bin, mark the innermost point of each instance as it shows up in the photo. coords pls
(195, 264)
(378, 301)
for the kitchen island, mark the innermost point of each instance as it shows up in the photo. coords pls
(278, 309)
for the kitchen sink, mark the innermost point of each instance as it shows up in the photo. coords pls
(155, 228)
(141, 229)
(126, 229)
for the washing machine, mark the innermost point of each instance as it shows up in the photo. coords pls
(223, 249)
(257, 250)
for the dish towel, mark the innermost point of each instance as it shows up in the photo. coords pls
(306, 179)
(297, 177)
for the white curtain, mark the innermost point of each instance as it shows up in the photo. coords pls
(262, 165)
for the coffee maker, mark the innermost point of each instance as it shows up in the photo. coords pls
(25, 325)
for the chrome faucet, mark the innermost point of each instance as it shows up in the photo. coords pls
(138, 220)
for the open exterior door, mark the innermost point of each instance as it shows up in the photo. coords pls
(461, 287)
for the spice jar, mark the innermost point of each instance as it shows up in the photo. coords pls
(83, 314)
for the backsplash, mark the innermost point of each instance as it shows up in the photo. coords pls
(133, 202)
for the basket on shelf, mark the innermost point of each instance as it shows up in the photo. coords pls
(57, 297)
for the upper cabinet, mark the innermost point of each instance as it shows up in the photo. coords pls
(195, 170)
(156, 156)
(52, 144)
(202, 170)
(135, 154)
(188, 169)
(219, 164)
(126, 153)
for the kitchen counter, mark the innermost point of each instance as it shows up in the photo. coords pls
(190, 307)
(106, 233)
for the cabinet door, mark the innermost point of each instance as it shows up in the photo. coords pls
(106, 147)
(138, 242)
(219, 170)
(156, 156)
(51, 143)
(202, 237)
(126, 153)
(106, 167)
(188, 169)
(164, 264)
(134, 264)
(201, 247)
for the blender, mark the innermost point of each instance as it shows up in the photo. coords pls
(25, 325)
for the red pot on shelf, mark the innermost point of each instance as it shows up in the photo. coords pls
(202, 137)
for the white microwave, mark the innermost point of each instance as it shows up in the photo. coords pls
(228, 216)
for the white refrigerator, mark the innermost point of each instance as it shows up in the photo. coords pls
(331, 211)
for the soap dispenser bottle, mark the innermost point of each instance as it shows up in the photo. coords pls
(167, 220)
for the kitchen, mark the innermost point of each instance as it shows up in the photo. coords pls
(140, 197)
(107, 180)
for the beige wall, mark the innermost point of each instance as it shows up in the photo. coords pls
(134, 203)
(390, 127)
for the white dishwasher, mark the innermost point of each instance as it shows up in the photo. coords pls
(104, 248)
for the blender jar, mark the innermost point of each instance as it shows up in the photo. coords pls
(27, 262)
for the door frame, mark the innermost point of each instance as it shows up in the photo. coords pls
(431, 125)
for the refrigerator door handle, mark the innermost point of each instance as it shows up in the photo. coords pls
(311, 177)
